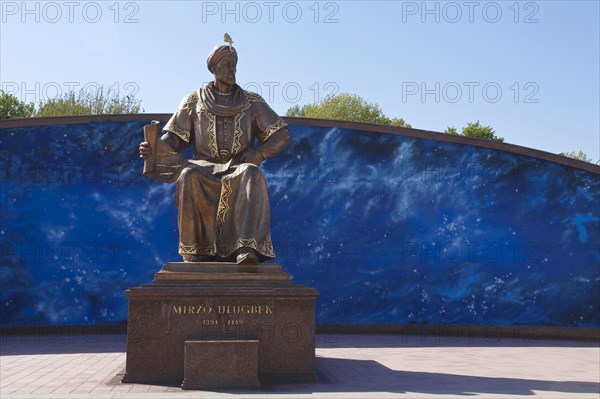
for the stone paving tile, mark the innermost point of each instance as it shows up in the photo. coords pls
(367, 366)
(157, 388)
(139, 388)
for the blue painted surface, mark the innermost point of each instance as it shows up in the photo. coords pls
(390, 229)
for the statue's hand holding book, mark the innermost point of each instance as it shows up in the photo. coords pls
(161, 162)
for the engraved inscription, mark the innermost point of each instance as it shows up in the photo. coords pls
(222, 310)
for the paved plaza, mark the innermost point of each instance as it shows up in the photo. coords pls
(348, 366)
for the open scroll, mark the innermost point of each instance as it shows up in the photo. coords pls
(163, 164)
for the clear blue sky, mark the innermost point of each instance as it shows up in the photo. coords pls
(530, 69)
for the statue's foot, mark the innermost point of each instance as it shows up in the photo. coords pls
(247, 258)
(197, 258)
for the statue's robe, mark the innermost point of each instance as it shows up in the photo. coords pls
(223, 208)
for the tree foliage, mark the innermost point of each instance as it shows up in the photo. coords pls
(577, 155)
(99, 102)
(96, 102)
(475, 130)
(452, 131)
(13, 108)
(346, 107)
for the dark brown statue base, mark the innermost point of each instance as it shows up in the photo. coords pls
(218, 325)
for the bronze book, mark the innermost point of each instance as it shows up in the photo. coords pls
(163, 164)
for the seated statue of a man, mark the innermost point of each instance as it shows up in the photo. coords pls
(222, 197)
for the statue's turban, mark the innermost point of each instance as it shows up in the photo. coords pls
(218, 53)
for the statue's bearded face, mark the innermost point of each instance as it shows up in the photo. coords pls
(225, 70)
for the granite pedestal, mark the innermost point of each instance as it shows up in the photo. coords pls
(233, 364)
(220, 302)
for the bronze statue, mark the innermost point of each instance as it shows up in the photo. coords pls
(222, 196)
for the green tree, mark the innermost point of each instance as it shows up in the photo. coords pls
(477, 131)
(88, 103)
(451, 130)
(346, 107)
(12, 108)
(577, 155)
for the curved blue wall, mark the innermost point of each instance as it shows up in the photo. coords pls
(389, 228)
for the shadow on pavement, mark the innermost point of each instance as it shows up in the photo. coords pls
(351, 375)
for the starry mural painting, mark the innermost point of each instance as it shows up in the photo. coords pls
(390, 229)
